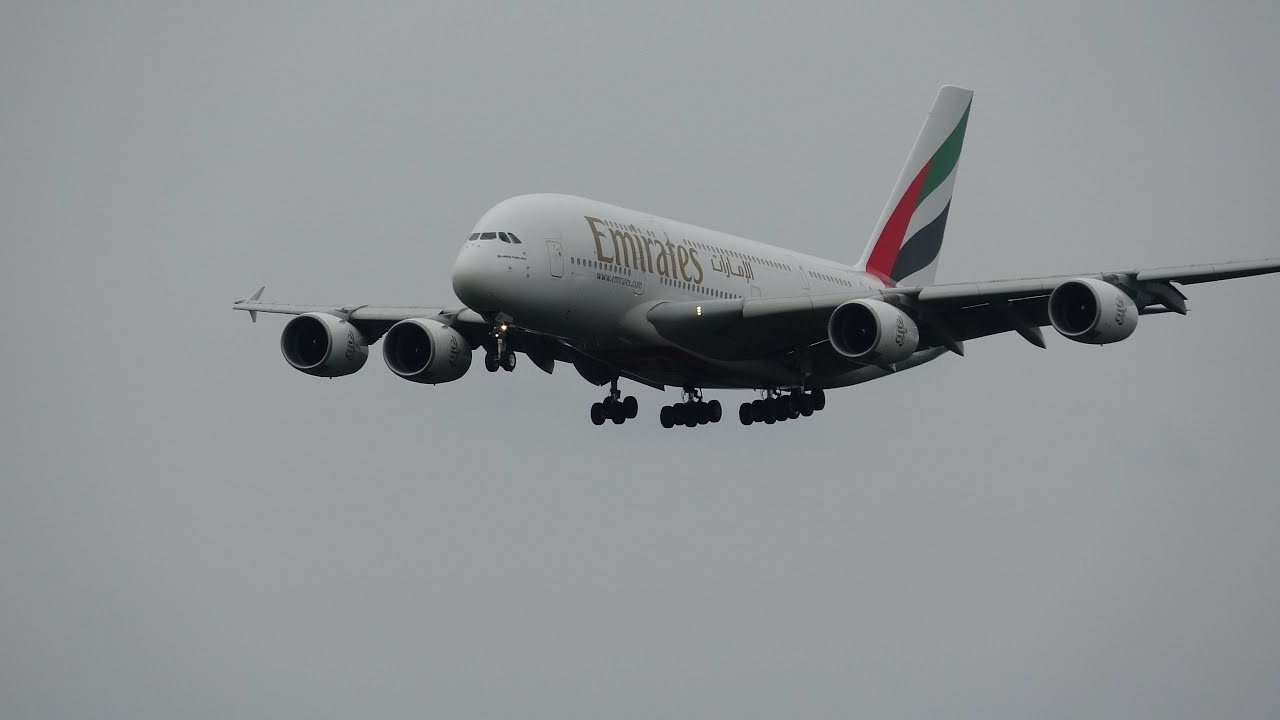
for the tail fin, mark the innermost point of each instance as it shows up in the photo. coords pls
(908, 238)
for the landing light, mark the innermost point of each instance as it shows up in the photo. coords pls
(699, 310)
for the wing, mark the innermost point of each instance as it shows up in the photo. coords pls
(947, 314)
(374, 321)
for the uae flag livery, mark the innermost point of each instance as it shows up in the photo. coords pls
(908, 238)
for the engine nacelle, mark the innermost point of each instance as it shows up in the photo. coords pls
(426, 351)
(1092, 311)
(872, 332)
(323, 345)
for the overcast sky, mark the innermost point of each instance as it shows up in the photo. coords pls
(189, 528)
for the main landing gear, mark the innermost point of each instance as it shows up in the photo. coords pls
(500, 355)
(615, 407)
(694, 411)
(777, 407)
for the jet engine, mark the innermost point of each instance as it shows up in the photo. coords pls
(1092, 311)
(872, 332)
(426, 351)
(323, 345)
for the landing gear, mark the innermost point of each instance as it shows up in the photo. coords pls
(615, 407)
(501, 355)
(777, 407)
(692, 412)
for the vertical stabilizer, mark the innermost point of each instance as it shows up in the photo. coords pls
(907, 240)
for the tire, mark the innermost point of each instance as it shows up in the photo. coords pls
(784, 405)
(665, 416)
(757, 411)
(491, 361)
(617, 416)
(819, 400)
(631, 406)
(679, 413)
(806, 405)
(771, 410)
(509, 362)
(744, 413)
(717, 412)
(597, 413)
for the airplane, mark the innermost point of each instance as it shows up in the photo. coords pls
(622, 294)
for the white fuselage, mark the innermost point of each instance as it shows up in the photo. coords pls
(587, 272)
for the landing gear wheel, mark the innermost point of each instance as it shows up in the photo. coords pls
(806, 405)
(666, 416)
(745, 416)
(819, 400)
(630, 406)
(509, 362)
(491, 361)
(597, 413)
(716, 411)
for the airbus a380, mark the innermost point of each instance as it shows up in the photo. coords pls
(622, 294)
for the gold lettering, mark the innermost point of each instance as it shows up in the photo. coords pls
(599, 235)
(683, 254)
(648, 252)
(670, 252)
(693, 256)
(637, 252)
(621, 251)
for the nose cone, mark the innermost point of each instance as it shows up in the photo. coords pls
(472, 277)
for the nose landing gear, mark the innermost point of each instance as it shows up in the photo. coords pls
(500, 355)
(694, 411)
(615, 407)
(776, 407)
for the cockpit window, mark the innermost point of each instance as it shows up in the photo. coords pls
(505, 237)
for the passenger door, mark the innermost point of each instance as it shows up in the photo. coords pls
(555, 255)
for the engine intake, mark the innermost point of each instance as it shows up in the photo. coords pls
(426, 351)
(1088, 310)
(872, 332)
(323, 345)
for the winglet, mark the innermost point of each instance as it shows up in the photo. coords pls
(253, 314)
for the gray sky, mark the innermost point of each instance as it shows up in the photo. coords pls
(189, 528)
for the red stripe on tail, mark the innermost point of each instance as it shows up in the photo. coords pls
(885, 253)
